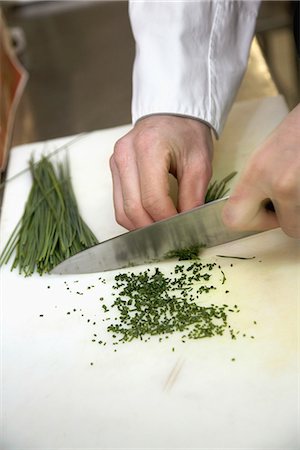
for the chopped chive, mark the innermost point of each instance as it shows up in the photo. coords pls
(236, 257)
(150, 303)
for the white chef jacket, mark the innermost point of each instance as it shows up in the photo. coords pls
(190, 56)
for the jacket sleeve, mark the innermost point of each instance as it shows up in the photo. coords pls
(190, 57)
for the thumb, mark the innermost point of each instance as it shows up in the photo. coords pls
(249, 211)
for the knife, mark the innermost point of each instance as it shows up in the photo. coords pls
(201, 226)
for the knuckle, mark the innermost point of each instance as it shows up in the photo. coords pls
(120, 218)
(152, 205)
(290, 222)
(121, 152)
(132, 208)
(197, 164)
(231, 220)
(292, 231)
(123, 219)
(231, 214)
(285, 186)
(146, 139)
(112, 162)
(120, 143)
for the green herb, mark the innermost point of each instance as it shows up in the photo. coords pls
(51, 228)
(218, 189)
(236, 257)
(224, 277)
(185, 254)
(150, 304)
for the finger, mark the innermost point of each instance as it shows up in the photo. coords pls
(129, 183)
(286, 195)
(288, 214)
(193, 184)
(120, 215)
(153, 165)
(247, 211)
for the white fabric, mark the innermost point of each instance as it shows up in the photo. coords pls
(190, 56)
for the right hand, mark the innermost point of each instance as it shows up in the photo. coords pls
(144, 157)
(272, 172)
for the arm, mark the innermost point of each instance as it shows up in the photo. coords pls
(273, 172)
(190, 59)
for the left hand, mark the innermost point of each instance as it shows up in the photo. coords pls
(272, 173)
(144, 157)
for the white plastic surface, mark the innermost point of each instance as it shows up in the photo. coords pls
(206, 394)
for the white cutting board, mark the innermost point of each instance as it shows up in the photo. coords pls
(145, 395)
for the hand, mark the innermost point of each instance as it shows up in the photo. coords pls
(141, 163)
(273, 172)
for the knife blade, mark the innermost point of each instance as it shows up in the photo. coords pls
(202, 226)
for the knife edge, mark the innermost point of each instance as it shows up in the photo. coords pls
(201, 226)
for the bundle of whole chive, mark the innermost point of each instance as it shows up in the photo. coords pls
(218, 189)
(51, 228)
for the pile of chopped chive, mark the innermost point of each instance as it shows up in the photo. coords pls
(150, 304)
(51, 228)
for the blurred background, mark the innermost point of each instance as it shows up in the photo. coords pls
(79, 56)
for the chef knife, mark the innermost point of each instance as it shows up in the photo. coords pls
(201, 226)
